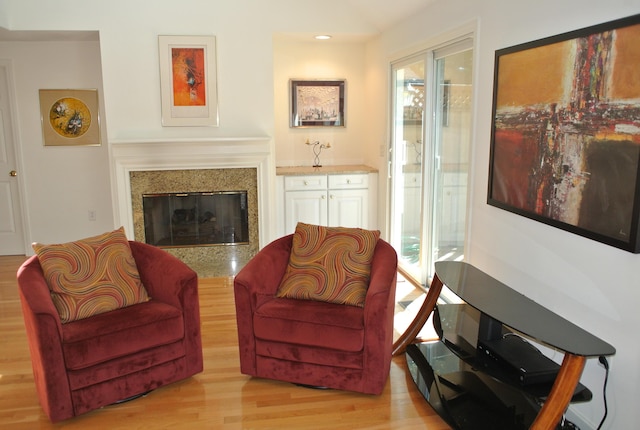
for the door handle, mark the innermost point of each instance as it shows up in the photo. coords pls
(13, 173)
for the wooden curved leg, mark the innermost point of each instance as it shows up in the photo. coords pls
(421, 318)
(561, 393)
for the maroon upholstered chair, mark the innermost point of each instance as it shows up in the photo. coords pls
(89, 363)
(312, 342)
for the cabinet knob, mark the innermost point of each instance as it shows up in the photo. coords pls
(331, 196)
(348, 181)
(305, 183)
(323, 197)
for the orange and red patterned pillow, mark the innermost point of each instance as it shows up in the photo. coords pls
(330, 264)
(91, 276)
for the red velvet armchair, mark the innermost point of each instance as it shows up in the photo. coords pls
(89, 363)
(311, 342)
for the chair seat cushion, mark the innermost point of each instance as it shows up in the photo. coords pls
(310, 323)
(121, 332)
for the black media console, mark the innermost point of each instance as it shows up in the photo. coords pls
(486, 371)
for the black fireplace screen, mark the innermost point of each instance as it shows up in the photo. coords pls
(196, 219)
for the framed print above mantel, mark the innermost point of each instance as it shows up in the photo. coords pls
(565, 139)
(70, 117)
(317, 103)
(188, 80)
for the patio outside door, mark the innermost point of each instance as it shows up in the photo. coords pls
(431, 130)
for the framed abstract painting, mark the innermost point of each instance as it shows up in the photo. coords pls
(188, 80)
(565, 139)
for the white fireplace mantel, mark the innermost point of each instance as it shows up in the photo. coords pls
(181, 154)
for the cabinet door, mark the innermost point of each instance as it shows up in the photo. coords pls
(304, 206)
(348, 208)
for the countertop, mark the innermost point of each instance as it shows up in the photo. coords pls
(324, 170)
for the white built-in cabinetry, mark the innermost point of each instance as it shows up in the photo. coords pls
(335, 196)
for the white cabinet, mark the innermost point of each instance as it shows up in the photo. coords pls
(305, 200)
(343, 200)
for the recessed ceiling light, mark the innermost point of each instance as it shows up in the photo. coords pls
(323, 37)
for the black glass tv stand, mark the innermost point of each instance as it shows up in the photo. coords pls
(485, 372)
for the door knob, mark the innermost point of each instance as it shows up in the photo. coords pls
(13, 173)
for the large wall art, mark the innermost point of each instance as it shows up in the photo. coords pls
(565, 144)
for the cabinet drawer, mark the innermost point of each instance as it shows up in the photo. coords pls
(299, 183)
(348, 181)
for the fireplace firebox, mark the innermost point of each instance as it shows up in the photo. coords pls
(196, 218)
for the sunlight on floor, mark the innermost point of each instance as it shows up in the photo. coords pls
(408, 302)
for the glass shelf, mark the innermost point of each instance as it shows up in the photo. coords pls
(470, 395)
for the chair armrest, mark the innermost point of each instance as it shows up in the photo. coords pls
(33, 286)
(257, 281)
(44, 335)
(169, 280)
(164, 276)
(379, 309)
(263, 273)
(384, 270)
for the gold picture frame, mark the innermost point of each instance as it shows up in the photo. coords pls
(188, 80)
(70, 117)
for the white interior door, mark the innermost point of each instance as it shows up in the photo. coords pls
(11, 229)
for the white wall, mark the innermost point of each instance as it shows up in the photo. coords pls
(129, 47)
(294, 58)
(360, 142)
(593, 285)
(62, 183)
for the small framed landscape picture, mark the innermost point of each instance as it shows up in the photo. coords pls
(316, 103)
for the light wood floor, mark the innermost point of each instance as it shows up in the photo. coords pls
(218, 398)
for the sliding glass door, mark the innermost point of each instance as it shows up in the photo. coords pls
(430, 157)
(407, 158)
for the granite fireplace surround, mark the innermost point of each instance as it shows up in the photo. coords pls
(197, 165)
(207, 260)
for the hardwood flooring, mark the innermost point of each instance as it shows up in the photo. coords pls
(218, 398)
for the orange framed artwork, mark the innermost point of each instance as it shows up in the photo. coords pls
(188, 80)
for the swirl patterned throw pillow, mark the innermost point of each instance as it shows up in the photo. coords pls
(329, 264)
(91, 276)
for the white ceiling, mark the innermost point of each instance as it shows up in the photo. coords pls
(380, 14)
(383, 14)
(47, 36)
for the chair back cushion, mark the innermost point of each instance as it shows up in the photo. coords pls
(91, 276)
(329, 264)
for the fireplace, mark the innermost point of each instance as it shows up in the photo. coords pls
(196, 219)
(203, 167)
